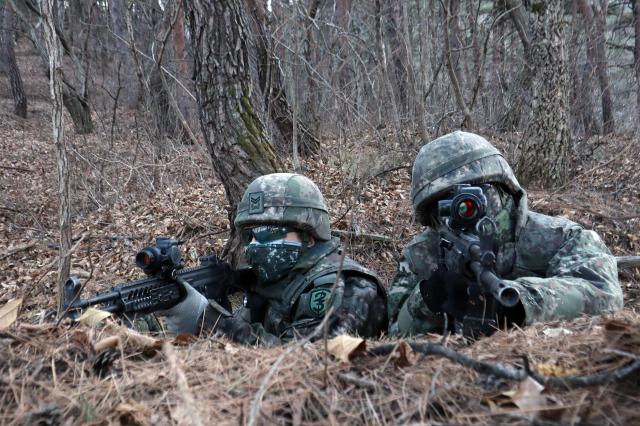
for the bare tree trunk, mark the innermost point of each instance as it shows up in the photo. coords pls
(64, 200)
(382, 60)
(11, 66)
(635, 4)
(312, 100)
(178, 41)
(581, 96)
(76, 104)
(232, 108)
(595, 23)
(454, 41)
(453, 75)
(521, 88)
(544, 156)
(272, 86)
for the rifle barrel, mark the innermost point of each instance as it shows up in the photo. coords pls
(504, 293)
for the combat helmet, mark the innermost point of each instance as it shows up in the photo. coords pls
(458, 157)
(285, 199)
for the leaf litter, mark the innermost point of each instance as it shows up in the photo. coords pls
(109, 374)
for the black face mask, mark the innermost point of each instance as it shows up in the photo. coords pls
(272, 261)
(269, 253)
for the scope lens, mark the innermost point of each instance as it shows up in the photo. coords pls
(146, 257)
(467, 209)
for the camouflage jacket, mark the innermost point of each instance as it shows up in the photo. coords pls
(561, 270)
(296, 306)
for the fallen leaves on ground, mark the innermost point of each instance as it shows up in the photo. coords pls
(345, 347)
(93, 316)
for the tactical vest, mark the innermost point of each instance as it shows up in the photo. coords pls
(281, 309)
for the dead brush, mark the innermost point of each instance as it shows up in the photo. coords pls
(51, 376)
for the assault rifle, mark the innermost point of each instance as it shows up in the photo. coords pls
(165, 286)
(465, 286)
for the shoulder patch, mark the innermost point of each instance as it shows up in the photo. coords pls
(318, 299)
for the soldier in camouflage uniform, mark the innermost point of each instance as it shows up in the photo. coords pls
(284, 225)
(560, 269)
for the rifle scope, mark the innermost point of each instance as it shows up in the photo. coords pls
(466, 207)
(164, 257)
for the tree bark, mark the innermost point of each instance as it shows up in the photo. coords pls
(581, 96)
(521, 88)
(595, 22)
(467, 122)
(382, 61)
(10, 64)
(454, 41)
(544, 156)
(272, 87)
(178, 42)
(231, 105)
(312, 100)
(635, 4)
(64, 200)
(76, 104)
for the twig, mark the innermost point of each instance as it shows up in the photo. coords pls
(20, 169)
(52, 263)
(362, 235)
(12, 251)
(186, 410)
(264, 385)
(510, 373)
(357, 381)
(626, 262)
(599, 166)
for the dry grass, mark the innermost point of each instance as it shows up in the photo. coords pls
(50, 374)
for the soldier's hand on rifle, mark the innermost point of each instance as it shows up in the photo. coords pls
(185, 317)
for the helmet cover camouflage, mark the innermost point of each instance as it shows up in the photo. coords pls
(455, 158)
(285, 199)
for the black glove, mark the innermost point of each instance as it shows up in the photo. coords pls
(446, 292)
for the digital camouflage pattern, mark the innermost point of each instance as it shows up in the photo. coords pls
(560, 269)
(272, 261)
(296, 305)
(285, 199)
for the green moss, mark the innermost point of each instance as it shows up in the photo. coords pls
(252, 138)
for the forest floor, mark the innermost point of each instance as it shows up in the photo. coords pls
(124, 195)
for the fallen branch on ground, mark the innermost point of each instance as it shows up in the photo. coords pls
(508, 372)
(14, 250)
(626, 262)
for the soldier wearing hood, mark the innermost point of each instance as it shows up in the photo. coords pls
(560, 269)
(284, 224)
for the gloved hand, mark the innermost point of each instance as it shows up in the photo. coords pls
(445, 292)
(185, 317)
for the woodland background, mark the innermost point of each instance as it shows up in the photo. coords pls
(164, 111)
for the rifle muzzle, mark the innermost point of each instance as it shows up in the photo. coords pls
(504, 293)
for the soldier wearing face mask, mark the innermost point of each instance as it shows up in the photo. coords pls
(284, 226)
(560, 269)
